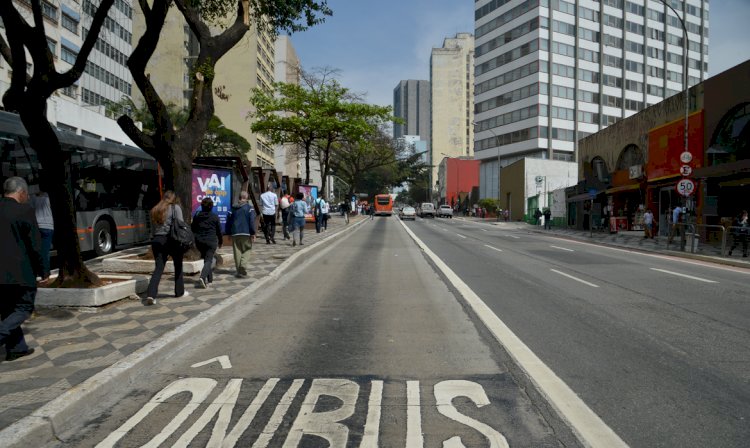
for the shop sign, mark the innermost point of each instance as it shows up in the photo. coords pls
(685, 170)
(686, 187)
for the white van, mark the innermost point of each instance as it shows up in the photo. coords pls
(427, 209)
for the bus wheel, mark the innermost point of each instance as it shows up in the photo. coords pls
(103, 241)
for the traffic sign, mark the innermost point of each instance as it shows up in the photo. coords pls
(685, 187)
(686, 157)
(685, 170)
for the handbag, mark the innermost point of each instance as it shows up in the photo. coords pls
(180, 233)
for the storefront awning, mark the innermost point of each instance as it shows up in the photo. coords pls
(724, 169)
(623, 188)
(583, 197)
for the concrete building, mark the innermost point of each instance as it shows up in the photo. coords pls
(287, 69)
(637, 163)
(452, 114)
(412, 102)
(528, 184)
(248, 65)
(81, 108)
(549, 73)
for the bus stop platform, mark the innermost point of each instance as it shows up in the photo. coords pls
(74, 344)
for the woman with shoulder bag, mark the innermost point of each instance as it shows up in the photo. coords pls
(162, 216)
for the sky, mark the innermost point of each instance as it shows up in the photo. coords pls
(375, 44)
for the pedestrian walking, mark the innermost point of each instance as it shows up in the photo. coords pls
(548, 218)
(43, 212)
(241, 225)
(324, 210)
(269, 206)
(162, 216)
(648, 224)
(675, 228)
(299, 209)
(538, 217)
(506, 215)
(208, 239)
(284, 204)
(371, 211)
(740, 233)
(318, 212)
(20, 265)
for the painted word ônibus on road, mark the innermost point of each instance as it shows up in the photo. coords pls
(309, 421)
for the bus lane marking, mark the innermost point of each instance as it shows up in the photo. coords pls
(493, 248)
(223, 360)
(684, 275)
(574, 278)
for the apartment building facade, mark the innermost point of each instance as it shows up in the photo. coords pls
(452, 113)
(411, 103)
(249, 64)
(549, 72)
(81, 108)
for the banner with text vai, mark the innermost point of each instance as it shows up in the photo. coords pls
(216, 184)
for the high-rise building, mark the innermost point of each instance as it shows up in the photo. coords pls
(287, 70)
(249, 64)
(81, 108)
(411, 102)
(452, 113)
(549, 72)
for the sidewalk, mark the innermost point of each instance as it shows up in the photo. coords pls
(628, 240)
(74, 344)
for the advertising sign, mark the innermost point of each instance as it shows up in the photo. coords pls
(215, 183)
(311, 194)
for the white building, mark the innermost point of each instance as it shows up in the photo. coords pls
(81, 107)
(549, 72)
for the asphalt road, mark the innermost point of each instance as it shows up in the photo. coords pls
(363, 345)
(657, 346)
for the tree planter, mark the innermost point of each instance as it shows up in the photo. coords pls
(136, 265)
(117, 287)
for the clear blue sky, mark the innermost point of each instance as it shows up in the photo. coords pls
(375, 44)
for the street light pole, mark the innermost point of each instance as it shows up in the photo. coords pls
(684, 70)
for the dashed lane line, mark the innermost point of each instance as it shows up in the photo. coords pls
(574, 278)
(493, 248)
(461, 235)
(588, 427)
(684, 275)
(562, 248)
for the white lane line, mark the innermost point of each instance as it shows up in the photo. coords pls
(684, 275)
(461, 235)
(574, 278)
(562, 248)
(493, 248)
(513, 236)
(587, 426)
(483, 230)
(444, 229)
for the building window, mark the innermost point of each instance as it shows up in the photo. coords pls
(49, 11)
(70, 24)
(68, 55)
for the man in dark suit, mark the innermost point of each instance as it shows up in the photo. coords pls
(20, 244)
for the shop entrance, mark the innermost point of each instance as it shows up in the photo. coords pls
(668, 198)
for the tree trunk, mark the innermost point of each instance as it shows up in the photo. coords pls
(56, 182)
(307, 163)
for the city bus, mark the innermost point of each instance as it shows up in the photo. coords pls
(383, 204)
(114, 186)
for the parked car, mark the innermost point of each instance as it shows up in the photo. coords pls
(445, 211)
(427, 209)
(408, 213)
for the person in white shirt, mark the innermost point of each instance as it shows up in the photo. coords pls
(324, 209)
(318, 205)
(269, 204)
(648, 224)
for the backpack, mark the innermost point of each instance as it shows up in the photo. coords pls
(284, 202)
(180, 233)
(318, 206)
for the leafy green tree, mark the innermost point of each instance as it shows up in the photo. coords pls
(222, 141)
(28, 95)
(173, 146)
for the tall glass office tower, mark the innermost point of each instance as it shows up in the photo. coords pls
(549, 72)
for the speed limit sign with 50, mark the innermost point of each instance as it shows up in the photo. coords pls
(685, 187)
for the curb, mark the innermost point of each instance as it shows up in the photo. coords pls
(43, 425)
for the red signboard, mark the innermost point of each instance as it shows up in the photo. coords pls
(666, 144)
